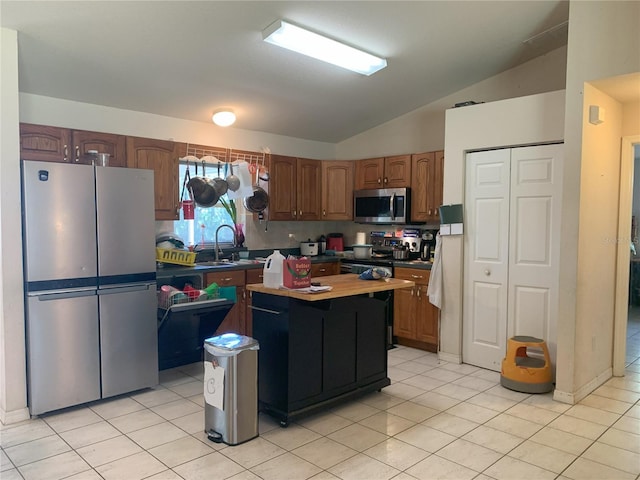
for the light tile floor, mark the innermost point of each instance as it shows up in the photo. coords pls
(436, 420)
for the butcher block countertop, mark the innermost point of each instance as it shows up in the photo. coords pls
(342, 286)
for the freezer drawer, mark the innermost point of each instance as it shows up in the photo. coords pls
(63, 350)
(128, 338)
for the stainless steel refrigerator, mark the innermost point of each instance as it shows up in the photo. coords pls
(90, 282)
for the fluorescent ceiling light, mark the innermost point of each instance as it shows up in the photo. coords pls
(224, 118)
(322, 48)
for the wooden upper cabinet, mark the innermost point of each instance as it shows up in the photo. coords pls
(114, 145)
(282, 190)
(294, 188)
(162, 157)
(426, 186)
(387, 172)
(55, 144)
(337, 190)
(309, 189)
(369, 173)
(44, 143)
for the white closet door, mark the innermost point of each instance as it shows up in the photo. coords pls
(534, 258)
(512, 227)
(486, 240)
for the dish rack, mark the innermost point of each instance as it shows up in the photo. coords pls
(179, 257)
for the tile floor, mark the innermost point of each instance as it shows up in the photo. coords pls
(436, 420)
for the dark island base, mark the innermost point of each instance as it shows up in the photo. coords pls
(316, 355)
(285, 417)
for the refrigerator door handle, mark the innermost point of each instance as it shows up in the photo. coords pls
(47, 296)
(112, 290)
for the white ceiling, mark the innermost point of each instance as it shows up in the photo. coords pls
(185, 59)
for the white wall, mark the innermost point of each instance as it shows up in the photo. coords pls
(13, 389)
(520, 121)
(603, 42)
(423, 130)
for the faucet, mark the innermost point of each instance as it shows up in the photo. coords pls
(217, 230)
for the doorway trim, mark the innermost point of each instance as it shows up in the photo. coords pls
(621, 310)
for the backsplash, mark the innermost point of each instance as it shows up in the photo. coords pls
(271, 235)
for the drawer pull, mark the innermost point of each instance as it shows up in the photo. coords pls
(266, 310)
(416, 276)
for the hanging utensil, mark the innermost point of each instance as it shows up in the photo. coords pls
(262, 171)
(259, 201)
(220, 184)
(233, 182)
(207, 195)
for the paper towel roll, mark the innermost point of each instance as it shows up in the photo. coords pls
(361, 238)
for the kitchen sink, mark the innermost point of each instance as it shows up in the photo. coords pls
(215, 264)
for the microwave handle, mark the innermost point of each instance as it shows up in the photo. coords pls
(392, 206)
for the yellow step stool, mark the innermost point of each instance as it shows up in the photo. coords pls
(523, 373)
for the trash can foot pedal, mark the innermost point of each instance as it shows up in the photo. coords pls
(214, 436)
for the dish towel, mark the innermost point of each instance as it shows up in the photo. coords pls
(434, 290)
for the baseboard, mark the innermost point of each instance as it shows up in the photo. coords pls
(449, 357)
(582, 392)
(14, 416)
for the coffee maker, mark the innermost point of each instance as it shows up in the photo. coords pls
(427, 245)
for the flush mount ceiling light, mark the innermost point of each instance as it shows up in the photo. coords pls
(223, 117)
(299, 40)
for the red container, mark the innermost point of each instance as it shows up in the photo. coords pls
(187, 209)
(296, 273)
(335, 241)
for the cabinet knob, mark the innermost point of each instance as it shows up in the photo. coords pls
(379, 180)
(418, 293)
(487, 272)
(300, 213)
(293, 214)
(386, 180)
(324, 213)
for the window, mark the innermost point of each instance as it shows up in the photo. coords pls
(202, 229)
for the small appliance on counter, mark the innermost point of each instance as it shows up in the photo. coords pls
(309, 248)
(427, 245)
(322, 244)
(335, 241)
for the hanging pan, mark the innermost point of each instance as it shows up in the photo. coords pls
(259, 201)
(220, 184)
(204, 192)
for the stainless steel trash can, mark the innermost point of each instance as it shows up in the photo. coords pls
(231, 388)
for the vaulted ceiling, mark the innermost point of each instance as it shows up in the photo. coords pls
(185, 59)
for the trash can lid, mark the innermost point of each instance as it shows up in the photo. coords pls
(232, 341)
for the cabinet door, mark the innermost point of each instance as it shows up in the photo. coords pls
(421, 179)
(427, 318)
(337, 190)
(114, 145)
(282, 190)
(404, 313)
(253, 276)
(162, 157)
(48, 144)
(397, 171)
(309, 189)
(235, 319)
(369, 173)
(437, 180)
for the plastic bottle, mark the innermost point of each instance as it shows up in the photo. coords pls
(272, 271)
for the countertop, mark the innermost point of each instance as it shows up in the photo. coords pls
(171, 270)
(342, 286)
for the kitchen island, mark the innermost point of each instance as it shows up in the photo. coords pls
(319, 349)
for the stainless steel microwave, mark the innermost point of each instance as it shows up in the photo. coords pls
(384, 205)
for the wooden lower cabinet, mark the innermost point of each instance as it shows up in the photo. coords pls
(415, 319)
(325, 268)
(235, 320)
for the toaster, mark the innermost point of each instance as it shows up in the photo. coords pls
(309, 249)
